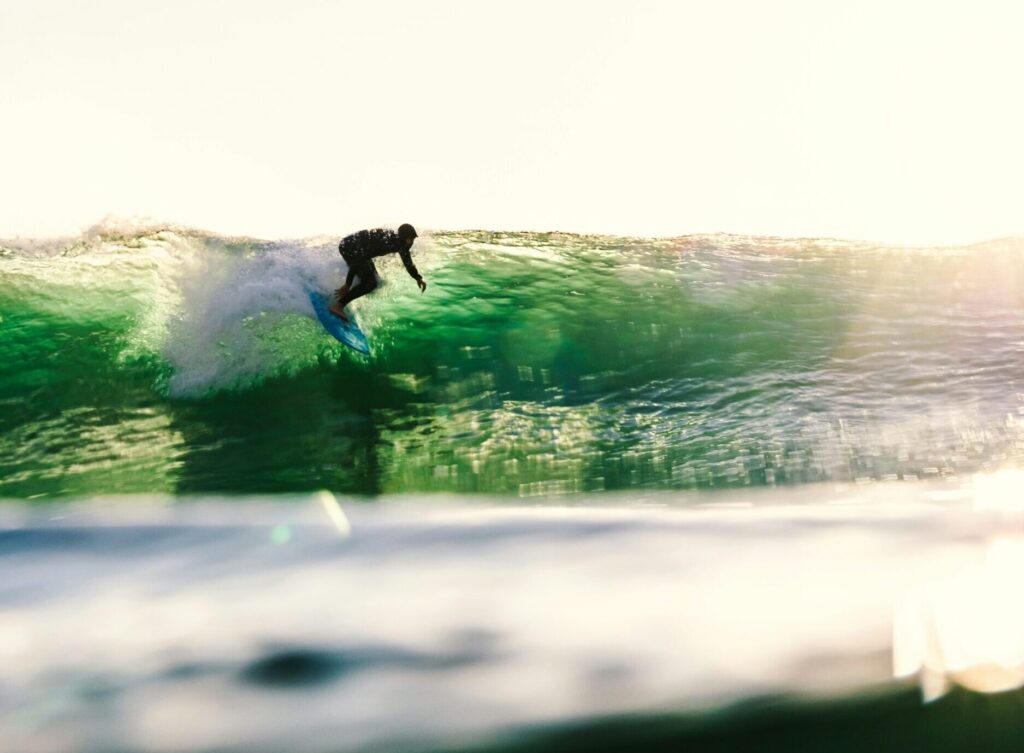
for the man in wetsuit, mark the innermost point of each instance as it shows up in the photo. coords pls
(359, 250)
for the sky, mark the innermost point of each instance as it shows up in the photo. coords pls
(896, 121)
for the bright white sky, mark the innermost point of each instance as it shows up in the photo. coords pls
(888, 120)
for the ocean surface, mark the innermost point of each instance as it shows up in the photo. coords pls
(586, 492)
(180, 362)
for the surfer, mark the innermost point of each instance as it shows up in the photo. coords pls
(359, 250)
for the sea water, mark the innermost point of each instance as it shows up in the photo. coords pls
(586, 491)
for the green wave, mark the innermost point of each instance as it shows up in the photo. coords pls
(535, 364)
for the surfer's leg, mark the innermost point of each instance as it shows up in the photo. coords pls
(344, 294)
(368, 281)
(351, 263)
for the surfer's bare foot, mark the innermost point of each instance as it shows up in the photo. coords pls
(335, 309)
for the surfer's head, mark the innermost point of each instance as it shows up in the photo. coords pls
(407, 233)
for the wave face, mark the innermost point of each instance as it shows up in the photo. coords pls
(173, 360)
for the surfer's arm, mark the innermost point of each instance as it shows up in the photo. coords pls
(409, 266)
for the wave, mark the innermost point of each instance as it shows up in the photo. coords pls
(535, 363)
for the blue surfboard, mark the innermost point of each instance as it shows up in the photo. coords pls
(347, 334)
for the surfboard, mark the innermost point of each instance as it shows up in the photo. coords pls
(347, 334)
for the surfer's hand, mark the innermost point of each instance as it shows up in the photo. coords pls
(341, 291)
(423, 285)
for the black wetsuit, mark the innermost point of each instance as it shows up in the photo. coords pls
(359, 250)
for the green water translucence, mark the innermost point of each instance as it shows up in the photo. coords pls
(534, 365)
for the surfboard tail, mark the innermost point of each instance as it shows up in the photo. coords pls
(347, 333)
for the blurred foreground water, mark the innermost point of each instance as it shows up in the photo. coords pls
(821, 615)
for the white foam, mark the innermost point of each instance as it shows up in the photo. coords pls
(222, 312)
(233, 302)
